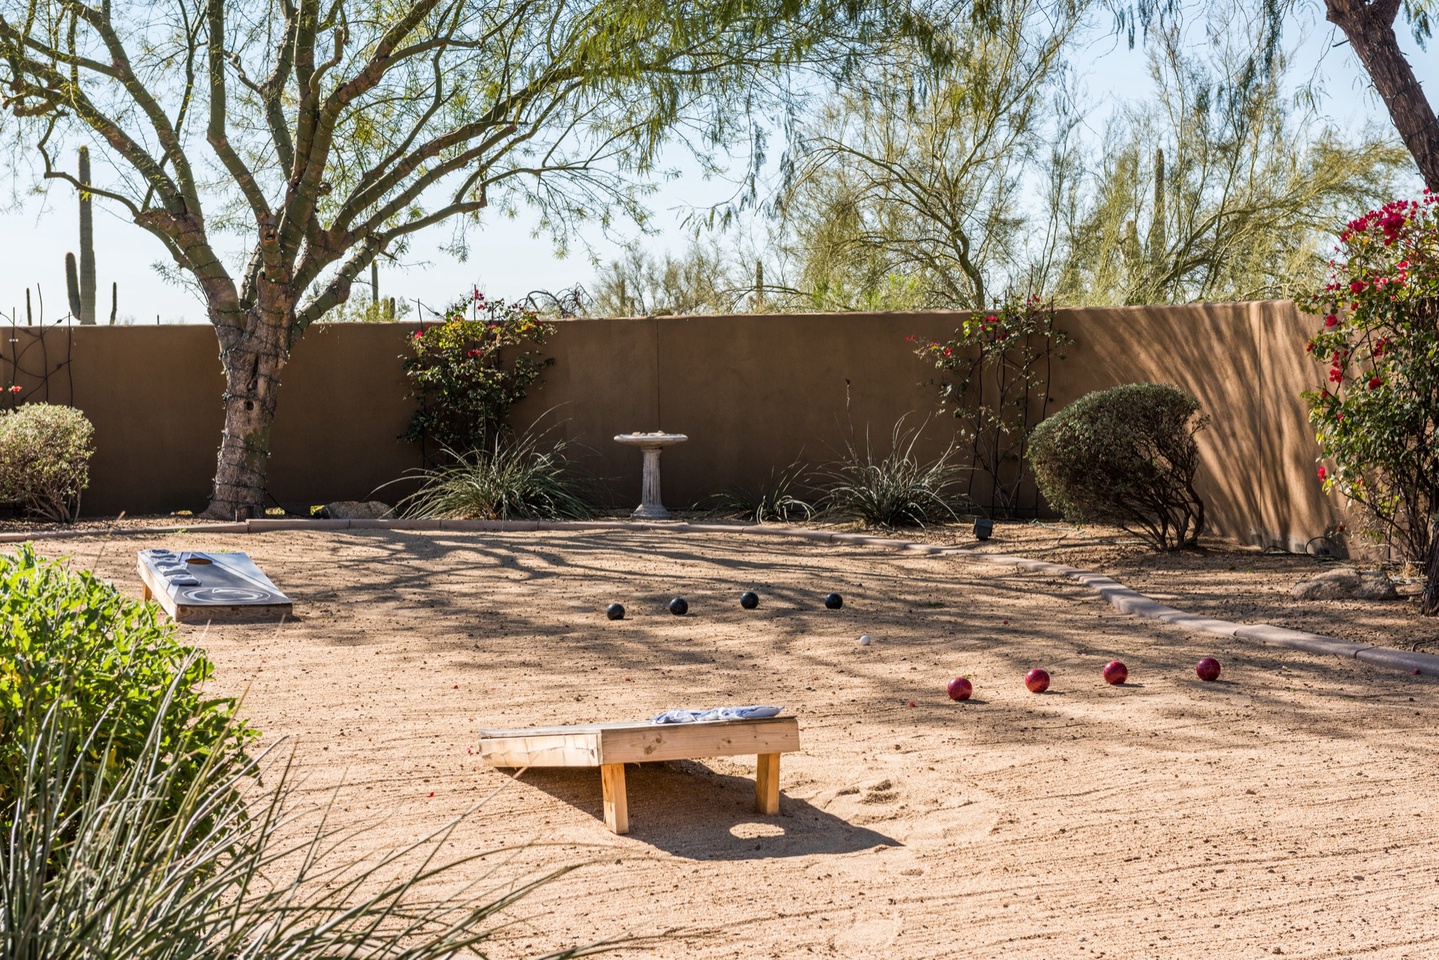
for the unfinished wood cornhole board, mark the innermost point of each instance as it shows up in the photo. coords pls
(194, 587)
(610, 746)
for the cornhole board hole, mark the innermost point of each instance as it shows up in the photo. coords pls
(610, 746)
(194, 587)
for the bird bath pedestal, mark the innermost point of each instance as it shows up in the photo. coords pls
(650, 445)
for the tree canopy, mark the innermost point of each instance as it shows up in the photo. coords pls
(321, 134)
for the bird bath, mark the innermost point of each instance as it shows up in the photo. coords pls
(650, 445)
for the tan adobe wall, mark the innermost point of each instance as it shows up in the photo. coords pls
(753, 392)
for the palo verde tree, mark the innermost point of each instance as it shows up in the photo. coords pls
(1369, 28)
(326, 132)
(908, 189)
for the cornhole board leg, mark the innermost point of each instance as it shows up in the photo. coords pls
(766, 784)
(610, 746)
(617, 810)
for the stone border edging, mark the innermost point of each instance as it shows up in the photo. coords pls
(1122, 597)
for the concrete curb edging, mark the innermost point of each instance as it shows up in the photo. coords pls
(1122, 597)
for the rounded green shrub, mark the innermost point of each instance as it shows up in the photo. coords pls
(77, 650)
(1125, 456)
(45, 459)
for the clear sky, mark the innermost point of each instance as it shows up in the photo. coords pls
(507, 261)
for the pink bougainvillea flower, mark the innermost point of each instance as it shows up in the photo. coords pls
(1323, 473)
(948, 351)
(1331, 320)
(1335, 375)
(15, 389)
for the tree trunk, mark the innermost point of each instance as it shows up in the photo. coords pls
(252, 359)
(1429, 599)
(1369, 25)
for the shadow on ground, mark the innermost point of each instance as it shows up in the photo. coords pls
(686, 809)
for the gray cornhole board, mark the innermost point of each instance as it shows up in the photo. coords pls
(195, 586)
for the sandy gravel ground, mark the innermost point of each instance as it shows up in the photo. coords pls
(1287, 809)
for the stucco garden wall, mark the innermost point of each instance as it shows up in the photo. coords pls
(753, 392)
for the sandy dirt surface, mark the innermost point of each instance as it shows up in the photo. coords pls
(1287, 809)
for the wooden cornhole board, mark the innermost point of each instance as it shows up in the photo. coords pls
(194, 587)
(610, 746)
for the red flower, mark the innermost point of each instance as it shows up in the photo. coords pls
(1331, 320)
(15, 389)
(1335, 375)
(1374, 382)
(948, 351)
(1356, 286)
(1323, 473)
(418, 334)
(1309, 347)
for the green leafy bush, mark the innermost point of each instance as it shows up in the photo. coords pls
(468, 371)
(898, 489)
(101, 868)
(1125, 456)
(45, 459)
(1377, 416)
(74, 648)
(512, 479)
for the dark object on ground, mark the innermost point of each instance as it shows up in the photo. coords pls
(679, 607)
(834, 601)
(615, 611)
(983, 528)
(355, 510)
(749, 599)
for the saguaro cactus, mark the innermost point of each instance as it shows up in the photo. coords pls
(87, 243)
(72, 287)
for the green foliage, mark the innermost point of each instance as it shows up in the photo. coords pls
(1223, 187)
(77, 651)
(512, 479)
(1377, 417)
(361, 308)
(899, 489)
(994, 376)
(468, 371)
(45, 459)
(110, 867)
(906, 191)
(702, 280)
(1125, 456)
(784, 499)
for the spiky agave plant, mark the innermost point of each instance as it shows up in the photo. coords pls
(121, 874)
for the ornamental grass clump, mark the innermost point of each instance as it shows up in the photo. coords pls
(1376, 417)
(785, 498)
(105, 865)
(1125, 456)
(513, 479)
(899, 489)
(45, 455)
